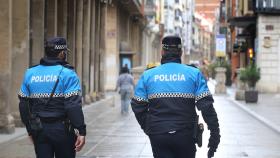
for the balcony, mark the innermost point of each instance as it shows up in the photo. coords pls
(150, 8)
(267, 6)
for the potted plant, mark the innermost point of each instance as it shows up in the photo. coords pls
(250, 75)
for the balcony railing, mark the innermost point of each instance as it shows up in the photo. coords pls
(268, 6)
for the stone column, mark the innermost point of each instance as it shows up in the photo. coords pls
(62, 6)
(103, 26)
(37, 30)
(97, 50)
(221, 80)
(79, 38)
(71, 31)
(51, 21)
(20, 52)
(6, 119)
(86, 46)
(112, 52)
(92, 49)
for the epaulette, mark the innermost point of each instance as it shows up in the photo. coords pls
(152, 65)
(192, 65)
(69, 66)
(33, 66)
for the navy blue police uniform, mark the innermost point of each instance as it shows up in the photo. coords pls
(165, 102)
(62, 114)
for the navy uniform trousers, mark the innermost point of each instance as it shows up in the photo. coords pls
(173, 145)
(55, 140)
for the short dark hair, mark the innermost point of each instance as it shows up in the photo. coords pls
(124, 70)
(50, 52)
(173, 52)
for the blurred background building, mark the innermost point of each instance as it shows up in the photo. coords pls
(105, 35)
(252, 31)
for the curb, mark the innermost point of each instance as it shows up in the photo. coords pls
(19, 132)
(260, 118)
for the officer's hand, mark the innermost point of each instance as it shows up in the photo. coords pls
(80, 142)
(214, 141)
(31, 139)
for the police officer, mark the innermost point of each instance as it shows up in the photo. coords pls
(50, 104)
(165, 102)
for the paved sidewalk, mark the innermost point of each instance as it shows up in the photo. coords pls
(114, 136)
(20, 132)
(111, 135)
(266, 110)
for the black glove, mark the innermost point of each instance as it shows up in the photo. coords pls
(214, 141)
(211, 152)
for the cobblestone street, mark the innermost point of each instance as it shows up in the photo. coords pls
(114, 136)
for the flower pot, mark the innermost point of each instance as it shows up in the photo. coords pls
(251, 96)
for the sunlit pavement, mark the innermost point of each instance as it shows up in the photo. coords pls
(111, 135)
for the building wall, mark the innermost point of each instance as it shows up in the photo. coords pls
(268, 54)
(6, 119)
(91, 28)
(112, 53)
(25, 24)
(20, 45)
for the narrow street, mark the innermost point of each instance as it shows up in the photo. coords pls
(111, 135)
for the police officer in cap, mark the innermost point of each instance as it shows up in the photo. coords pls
(51, 104)
(165, 102)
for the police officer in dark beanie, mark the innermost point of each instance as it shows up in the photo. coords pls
(51, 104)
(165, 102)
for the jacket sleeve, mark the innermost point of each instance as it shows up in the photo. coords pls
(139, 102)
(210, 117)
(23, 96)
(204, 103)
(73, 102)
(208, 113)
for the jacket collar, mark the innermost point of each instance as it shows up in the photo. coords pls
(50, 61)
(170, 58)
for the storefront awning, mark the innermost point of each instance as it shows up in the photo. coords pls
(243, 21)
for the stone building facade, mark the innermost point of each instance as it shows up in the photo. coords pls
(93, 29)
(268, 52)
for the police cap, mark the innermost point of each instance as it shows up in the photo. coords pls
(171, 43)
(56, 44)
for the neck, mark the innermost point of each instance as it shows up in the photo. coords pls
(170, 58)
